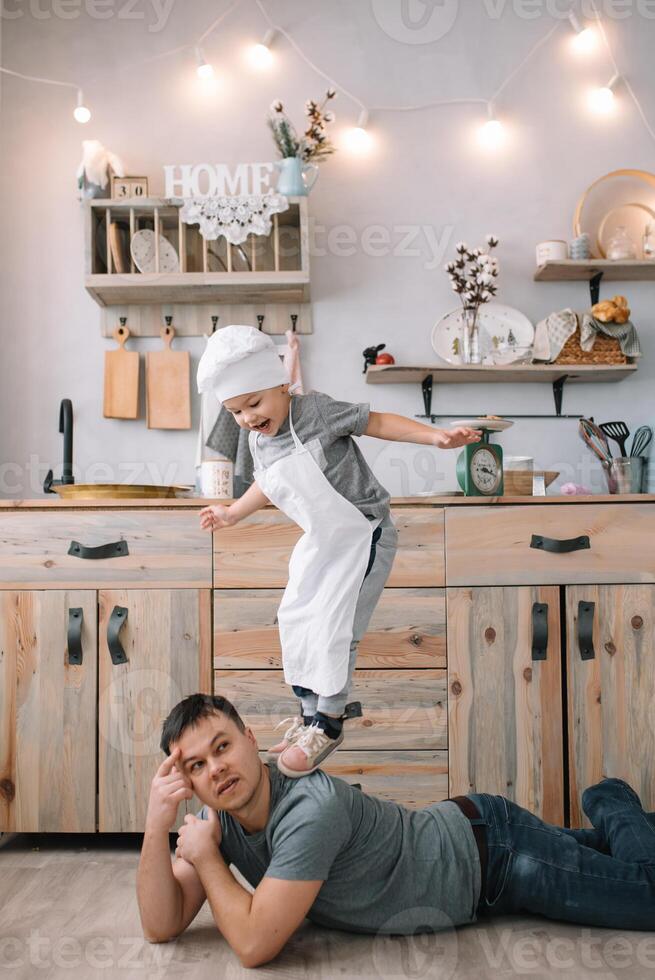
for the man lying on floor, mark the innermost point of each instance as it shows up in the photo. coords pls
(319, 848)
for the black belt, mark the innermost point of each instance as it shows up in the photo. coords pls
(470, 810)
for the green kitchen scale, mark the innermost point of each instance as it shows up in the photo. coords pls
(480, 464)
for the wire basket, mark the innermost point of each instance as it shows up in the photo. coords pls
(606, 350)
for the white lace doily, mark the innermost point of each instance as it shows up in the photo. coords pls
(234, 217)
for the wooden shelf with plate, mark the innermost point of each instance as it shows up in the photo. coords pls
(192, 278)
(594, 271)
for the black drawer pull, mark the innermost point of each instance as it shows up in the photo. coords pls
(116, 620)
(560, 547)
(539, 630)
(113, 550)
(586, 630)
(75, 620)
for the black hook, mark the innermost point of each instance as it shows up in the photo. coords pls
(294, 321)
(215, 320)
(260, 321)
(168, 320)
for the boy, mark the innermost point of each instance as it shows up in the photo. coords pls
(307, 465)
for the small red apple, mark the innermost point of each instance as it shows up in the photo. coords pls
(385, 359)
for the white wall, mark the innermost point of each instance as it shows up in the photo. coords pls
(425, 171)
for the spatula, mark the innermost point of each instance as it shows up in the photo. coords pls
(618, 431)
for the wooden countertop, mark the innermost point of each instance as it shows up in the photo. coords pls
(181, 503)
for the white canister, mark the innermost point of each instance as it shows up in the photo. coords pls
(552, 251)
(217, 477)
(518, 463)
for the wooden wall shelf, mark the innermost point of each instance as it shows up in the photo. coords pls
(568, 270)
(481, 374)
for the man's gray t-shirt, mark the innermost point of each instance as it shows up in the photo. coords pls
(325, 426)
(385, 868)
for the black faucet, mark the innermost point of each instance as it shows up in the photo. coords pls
(65, 427)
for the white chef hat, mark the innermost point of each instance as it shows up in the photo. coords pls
(239, 359)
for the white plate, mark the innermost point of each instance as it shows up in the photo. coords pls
(142, 249)
(493, 425)
(633, 217)
(613, 190)
(502, 330)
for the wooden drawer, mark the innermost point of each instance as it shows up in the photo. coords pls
(255, 553)
(165, 549)
(407, 630)
(403, 709)
(491, 545)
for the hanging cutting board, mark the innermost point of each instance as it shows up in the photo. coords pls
(168, 388)
(121, 393)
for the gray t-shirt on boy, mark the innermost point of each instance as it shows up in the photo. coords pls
(385, 868)
(325, 426)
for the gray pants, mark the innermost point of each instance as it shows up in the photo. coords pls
(369, 593)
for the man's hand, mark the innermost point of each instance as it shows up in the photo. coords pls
(462, 435)
(169, 787)
(216, 516)
(198, 838)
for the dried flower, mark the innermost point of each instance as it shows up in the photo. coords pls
(314, 143)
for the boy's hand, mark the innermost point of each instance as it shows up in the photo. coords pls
(462, 435)
(169, 787)
(212, 518)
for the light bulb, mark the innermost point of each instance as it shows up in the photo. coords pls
(204, 69)
(601, 100)
(358, 139)
(585, 41)
(81, 113)
(260, 55)
(492, 133)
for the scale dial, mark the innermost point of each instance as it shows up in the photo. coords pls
(485, 471)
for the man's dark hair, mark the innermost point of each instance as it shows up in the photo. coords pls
(189, 711)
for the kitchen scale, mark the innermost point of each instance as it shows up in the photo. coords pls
(480, 464)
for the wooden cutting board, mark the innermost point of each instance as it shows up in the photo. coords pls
(168, 388)
(121, 393)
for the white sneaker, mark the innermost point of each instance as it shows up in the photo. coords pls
(311, 749)
(291, 735)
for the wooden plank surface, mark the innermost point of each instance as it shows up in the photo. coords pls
(47, 714)
(504, 709)
(407, 630)
(121, 383)
(168, 384)
(255, 553)
(611, 697)
(620, 545)
(165, 549)
(402, 709)
(413, 779)
(167, 641)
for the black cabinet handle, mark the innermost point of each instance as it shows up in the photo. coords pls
(75, 620)
(539, 630)
(586, 630)
(112, 550)
(560, 547)
(116, 620)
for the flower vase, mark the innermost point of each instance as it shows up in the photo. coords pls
(471, 338)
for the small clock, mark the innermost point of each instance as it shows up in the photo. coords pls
(480, 469)
(125, 187)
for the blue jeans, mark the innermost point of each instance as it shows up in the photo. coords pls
(599, 877)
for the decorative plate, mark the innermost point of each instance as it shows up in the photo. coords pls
(493, 425)
(142, 249)
(614, 190)
(633, 217)
(506, 335)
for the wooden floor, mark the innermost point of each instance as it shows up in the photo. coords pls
(68, 910)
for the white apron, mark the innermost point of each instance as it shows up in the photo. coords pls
(326, 568)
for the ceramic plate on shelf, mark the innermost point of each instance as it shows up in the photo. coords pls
(632, 217)
(142, 249)
(613, 190)
(506, 335)
(494, 425)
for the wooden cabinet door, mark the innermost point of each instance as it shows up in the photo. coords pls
(166, 637)
(611, 696)
(504, 707)
(47, 711)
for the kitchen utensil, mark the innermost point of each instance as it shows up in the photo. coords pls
(484, 422)
(121, 388)
(641, 440)
(521, 483)
(168, 396)
(499, 326)
(595, 439)
(142, 249)
(617, 188)
(624, 474)
(633, 217)
(618, 432)
(112, 491)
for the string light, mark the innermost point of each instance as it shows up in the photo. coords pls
(260, 55)
(204, 69)
(601, 99)
(358, 139)
(81, 113)
(584, 38)
(491, 133)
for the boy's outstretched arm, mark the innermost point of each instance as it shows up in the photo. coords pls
(397, 428)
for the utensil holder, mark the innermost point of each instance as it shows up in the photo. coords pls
(624, 474)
